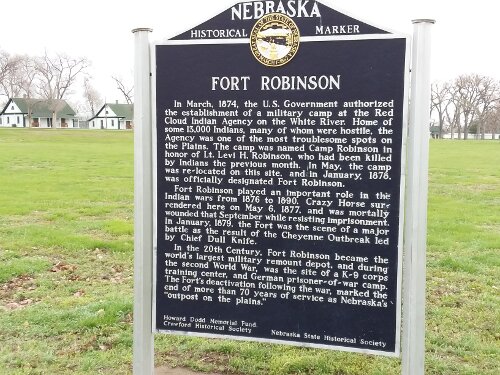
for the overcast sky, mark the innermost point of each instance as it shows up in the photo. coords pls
(463, 37)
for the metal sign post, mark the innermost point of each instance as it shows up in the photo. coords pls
(143, 362)
(416, 203)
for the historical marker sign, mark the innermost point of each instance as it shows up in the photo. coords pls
(279, 148)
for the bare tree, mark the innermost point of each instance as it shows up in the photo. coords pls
(92, 98)
(440, 101)
(58, 74)
(126, 90)
(490, 96)
(4, 58)
(492, 122)
(18, 77)
(468, 96)
(10, 75)
(477, 95)
(453, 111)
(30, 76)
(4, 69)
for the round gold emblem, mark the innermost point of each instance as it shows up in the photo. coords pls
(275, 39)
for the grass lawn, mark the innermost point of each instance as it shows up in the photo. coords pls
(66, 262)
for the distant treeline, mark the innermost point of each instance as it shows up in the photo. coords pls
(53, 77)
(469, 104)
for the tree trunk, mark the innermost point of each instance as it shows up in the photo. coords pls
(441, 124)
(30, 115)
(466, 127)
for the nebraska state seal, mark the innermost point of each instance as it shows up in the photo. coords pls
(275, 39)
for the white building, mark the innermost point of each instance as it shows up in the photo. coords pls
(37, 113)
(113, 117)
(472, 136)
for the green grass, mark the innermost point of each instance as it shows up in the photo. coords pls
(66, 250)
(66, 262)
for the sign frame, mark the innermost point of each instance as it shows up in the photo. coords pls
(402, 187)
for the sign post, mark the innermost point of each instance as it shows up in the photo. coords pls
(143, 347)
(416, 205)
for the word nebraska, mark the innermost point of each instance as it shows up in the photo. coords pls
(292, 8)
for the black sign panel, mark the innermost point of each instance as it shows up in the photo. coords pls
(279, 179)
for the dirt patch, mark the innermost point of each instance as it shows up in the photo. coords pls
(11, 288)
(61, 267)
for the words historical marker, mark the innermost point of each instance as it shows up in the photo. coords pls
(279, 164)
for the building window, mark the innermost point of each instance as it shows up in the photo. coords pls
(18, 119)
(8, 120)
(0, 121)
(102, 124)
(112, 122)
(12, 107)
